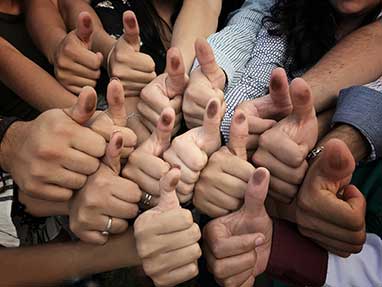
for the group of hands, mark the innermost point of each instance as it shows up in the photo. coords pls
(102, 169)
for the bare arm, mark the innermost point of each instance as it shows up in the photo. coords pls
(70, 9)
(187, 30)
(31, 83)
(45, 25)
(356, 60)
(53, 263)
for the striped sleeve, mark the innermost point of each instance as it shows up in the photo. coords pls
(8, 234)
(233, 45)
(269, 53)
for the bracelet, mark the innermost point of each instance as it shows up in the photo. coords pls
(5, 123)
(108, 58)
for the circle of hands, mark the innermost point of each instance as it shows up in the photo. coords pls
(259, 176)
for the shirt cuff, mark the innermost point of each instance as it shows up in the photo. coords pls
(295, 259)
(360, 107)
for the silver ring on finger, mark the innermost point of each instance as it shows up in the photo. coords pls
(108, 226)
(145, 202)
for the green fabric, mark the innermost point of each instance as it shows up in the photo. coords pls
(368, 179)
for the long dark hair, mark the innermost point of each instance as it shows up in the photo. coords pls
(152, 26)
(309, 26)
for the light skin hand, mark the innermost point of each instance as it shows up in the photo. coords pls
(133, 68)
(165, 91)
(75, 65)
(330, 211)
(53, 154)
(167, 238)
(237, 246)
(191, 150)
(263, 112)
(206, 82)
(114, 118)
(104, 195)
(284, 147)
(145, 165)
(224, 180)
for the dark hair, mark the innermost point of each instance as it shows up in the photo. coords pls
(309, 26)
(152, 26)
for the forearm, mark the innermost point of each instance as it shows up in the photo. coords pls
(187, 30)
(45, 25)
(355, 60)
(70, 9)
(43, 208)
(53, 263)
(324, 120)
(31, 83)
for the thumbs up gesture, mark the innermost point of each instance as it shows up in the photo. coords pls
(206, 82)
(238, 245)
(145, 165)
(223, 182)
(330, 211)
(284, 147)
(53, 154)
(165, 91)
(75, 65)
(127, 63)
(167, 238)
(106, 197)
(191, 150)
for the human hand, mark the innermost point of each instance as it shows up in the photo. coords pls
(75, 65)
(145, 166)
(330, 211)
(114, 118)
(237, 246)
(284, 147)
(263, 112)
(206, 82)
(53, 154)
(133, 68)
(167, 238)
(223, 182)
(166, 90)
(191, 150)
(105, 196)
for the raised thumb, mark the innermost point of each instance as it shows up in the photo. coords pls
(116, 101)
(210, 135)
(238, 135)
(208, 65)
(335, 163)
(279, 93)
(302, 100)
(131, 30)
(112, 156)
(84, 28)
(85, 106)
(177, 80)
(162, 134)
(168, 199)
(256, 193)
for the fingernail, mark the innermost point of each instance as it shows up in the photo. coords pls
(276, 83)
(212, 109)
(119, 143)
(115, 78)
(175, 63)
(259, 176)
(87, 22)
(240, 118)
(259, 241)
(174, 182)
(166, 119)
(90, 104)
(131, 23)
(177, 166)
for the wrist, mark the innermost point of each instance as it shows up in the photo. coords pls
(10, 131)
(53, 48)
(103, 43)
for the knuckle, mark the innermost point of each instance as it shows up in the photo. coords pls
(187, 217)
(218, 269)
(195, 232)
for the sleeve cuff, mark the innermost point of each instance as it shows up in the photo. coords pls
(295, 259)
(360, 107)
